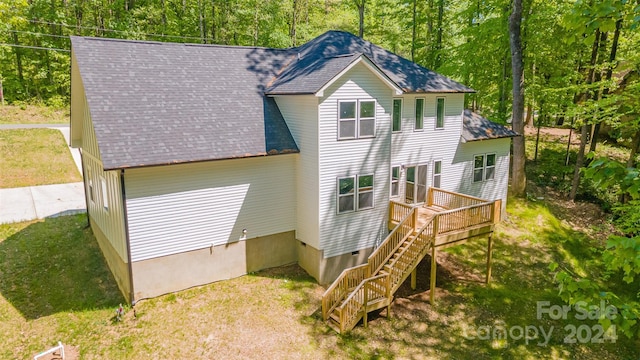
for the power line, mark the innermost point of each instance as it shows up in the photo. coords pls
(34, 47)
(116, 31)
(37, 33)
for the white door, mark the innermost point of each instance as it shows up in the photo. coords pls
(416, 184)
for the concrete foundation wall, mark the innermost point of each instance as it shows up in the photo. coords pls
(118, 268)
(325, 271)
(166, 274)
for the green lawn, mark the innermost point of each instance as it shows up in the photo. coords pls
(55, 286)
(32, 114)
(35, 157)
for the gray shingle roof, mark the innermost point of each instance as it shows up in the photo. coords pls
(476, 127)
(319, 58)
(162, 103)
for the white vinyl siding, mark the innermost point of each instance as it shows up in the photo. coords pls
(301, 115)
(424, 147)
(464, 169)
(178, 208)
(104, 192)
(348, 232)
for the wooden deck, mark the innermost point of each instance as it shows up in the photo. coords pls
(445, 219)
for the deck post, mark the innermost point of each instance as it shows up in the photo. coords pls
(366, 304)
(489, 251)
(432, 286)
(415, 219)
(414, 277)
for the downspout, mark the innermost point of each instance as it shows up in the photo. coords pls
(126, 234)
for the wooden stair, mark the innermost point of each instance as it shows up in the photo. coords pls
(371, 286)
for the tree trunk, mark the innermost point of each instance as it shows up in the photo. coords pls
(608, 75)
(518, 179)
(360, 4)
(413, 32)
(631, 162)
(575, 183)
(294, 21)
(438, 60)
(18, 53)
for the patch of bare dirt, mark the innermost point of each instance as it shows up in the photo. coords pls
(582, 216)
(554, 134)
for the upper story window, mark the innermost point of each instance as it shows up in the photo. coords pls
(105, 194)
(484, 167)
(440, 113)
(419, 114)
(397, 115)
(356, 119)
(355, 193)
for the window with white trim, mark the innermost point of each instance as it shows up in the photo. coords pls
(365, 192)
(419, 114)
(105, 194)
(355, 193)
(439, 113)
(397, 115)
(484, 167)
(395, 181)
(437, 173)
(346, 194)
(91, 195)
(356, 119)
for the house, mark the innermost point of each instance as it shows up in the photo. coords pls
(206, 162)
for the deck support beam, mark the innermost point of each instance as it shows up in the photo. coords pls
(489, 256)
(414, 278)
(432, 284)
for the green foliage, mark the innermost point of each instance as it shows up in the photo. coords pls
(620, 259)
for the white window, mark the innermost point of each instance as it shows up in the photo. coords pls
(355, 193)
(346, 194)
(365, 192)
(440, 113)
(105, 194)
(484, 167)
(356, 119)
(91, 196)
(419, 114)
(397, 115)
(437, 173)
(395, 181)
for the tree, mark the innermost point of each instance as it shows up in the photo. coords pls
(518, 178)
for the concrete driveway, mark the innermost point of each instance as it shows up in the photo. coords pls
(39, 202)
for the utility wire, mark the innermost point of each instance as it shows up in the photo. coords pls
(37, 33)
(116, 31)
(34, 47)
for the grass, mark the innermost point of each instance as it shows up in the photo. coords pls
(54, 286)
(33, 114)
(31, 157)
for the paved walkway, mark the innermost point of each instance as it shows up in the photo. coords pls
(39, 202)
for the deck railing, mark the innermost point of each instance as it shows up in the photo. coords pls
(459, 219)
(341, 287)
(352, 277)
(450, 200)
(396, 237)
(359, 288)
(354, 307)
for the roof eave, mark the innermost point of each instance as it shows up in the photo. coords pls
(182, 162)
